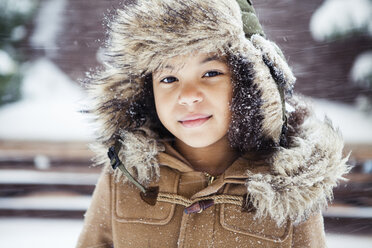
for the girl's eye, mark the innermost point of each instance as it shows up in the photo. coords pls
(212, 74)
(168, 80)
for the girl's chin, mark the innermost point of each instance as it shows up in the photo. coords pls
(200, 141)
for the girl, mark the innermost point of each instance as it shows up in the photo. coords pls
(206, 146)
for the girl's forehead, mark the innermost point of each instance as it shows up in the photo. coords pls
(180, 61)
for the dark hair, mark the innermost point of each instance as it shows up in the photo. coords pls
(245, 130)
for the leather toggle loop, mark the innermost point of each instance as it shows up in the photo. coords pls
(116, 163)
(114, 159)
(199, 206)
(150, 196)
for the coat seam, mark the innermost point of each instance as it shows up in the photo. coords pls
(224, 225)
(147, 221)
(111, 208)
(182, 235)
(100, 245)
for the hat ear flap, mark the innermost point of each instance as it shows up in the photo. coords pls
(275, 61)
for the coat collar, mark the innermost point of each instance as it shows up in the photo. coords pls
(236, 173)
(172, 158)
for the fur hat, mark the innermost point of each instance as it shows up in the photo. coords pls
(145, 34)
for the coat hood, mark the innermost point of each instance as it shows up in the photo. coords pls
(299, 180)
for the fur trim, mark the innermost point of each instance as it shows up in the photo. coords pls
(146, 34)
(270, 52)
(271, 101)
(302, 177)
(282, 77)
(138, 154)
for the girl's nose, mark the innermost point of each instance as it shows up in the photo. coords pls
(189, 95)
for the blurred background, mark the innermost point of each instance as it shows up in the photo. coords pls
(46, 48)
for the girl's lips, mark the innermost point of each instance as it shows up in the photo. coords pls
(195, 121)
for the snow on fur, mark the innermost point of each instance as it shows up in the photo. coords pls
(137, 153)
(302, 177)
(270, 50)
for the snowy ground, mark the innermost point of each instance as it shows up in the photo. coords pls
(49, 109)
(354, 124)
(40, 233)
(341, 241)
(37, 177)
(46, 233)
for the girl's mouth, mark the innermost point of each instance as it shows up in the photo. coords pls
(195, 120)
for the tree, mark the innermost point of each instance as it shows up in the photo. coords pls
(13, 17)
(340, 19)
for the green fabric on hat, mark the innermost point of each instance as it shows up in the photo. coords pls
(246, 5)
(251, 24)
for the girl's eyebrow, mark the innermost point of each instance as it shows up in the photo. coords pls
(169, 67)
(212, 58)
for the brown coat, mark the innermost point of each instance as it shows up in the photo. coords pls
(119, 217)
(285, 192)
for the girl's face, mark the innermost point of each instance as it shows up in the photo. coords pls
(192, 97)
